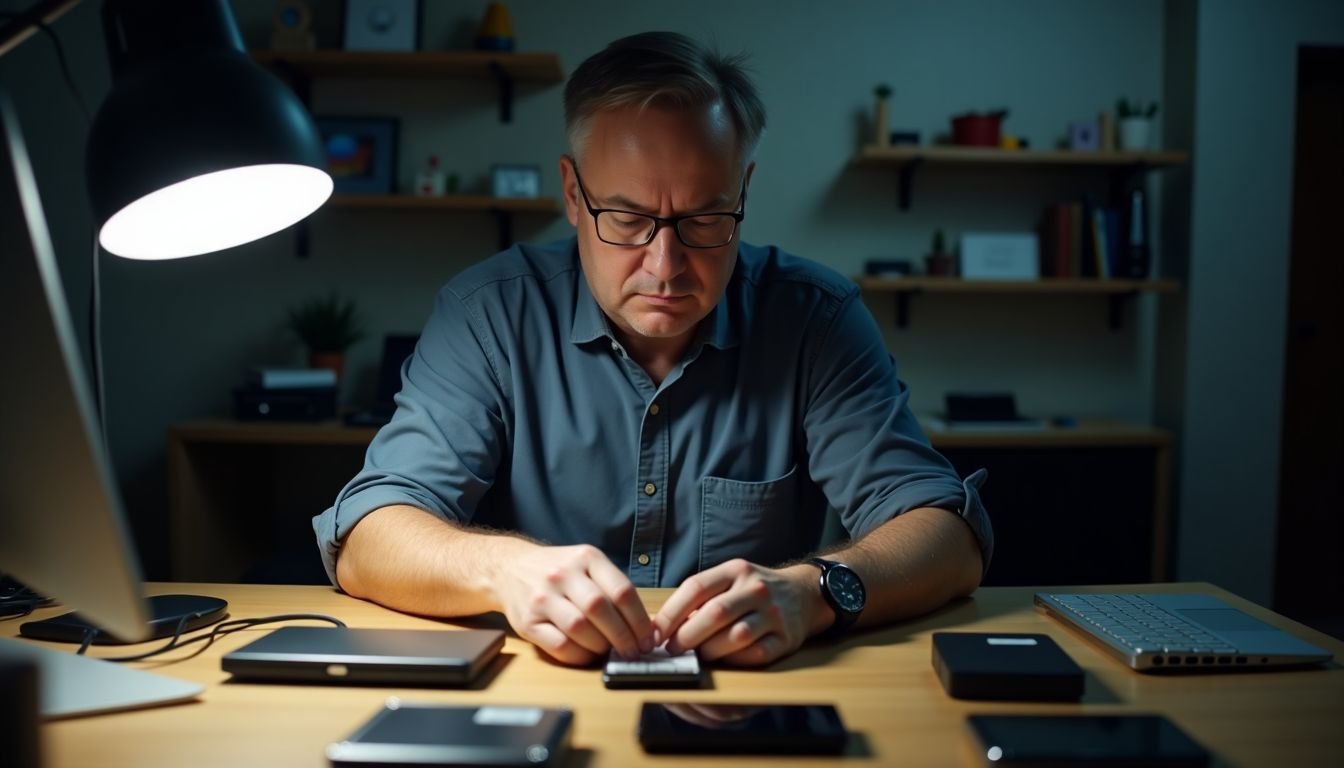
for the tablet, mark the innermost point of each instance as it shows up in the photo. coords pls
(1096, 741)
(345, 656)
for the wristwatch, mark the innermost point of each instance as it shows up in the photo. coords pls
(842, 589)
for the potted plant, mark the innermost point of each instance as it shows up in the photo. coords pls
(1136, 124)
(327, 326)
(939, 261)
(882, 115)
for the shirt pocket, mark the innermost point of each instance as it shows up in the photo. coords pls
(751, 520)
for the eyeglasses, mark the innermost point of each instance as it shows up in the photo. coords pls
(695, 230)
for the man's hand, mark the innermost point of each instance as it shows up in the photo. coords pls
(572, 603)
(743, 613)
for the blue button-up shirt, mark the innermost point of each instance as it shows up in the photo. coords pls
(520, 410)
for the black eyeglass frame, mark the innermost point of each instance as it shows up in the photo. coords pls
(662, 221)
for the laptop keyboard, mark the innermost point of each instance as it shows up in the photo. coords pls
(1136, 624)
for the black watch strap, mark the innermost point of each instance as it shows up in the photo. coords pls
(846, 613)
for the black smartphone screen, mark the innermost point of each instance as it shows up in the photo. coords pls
(1091, 740)
(695, 727)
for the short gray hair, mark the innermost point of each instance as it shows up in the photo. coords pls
(663, 68)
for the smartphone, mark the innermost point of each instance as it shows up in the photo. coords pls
(403, 734)
(655, 669)
(704, 728)
(1085, 740)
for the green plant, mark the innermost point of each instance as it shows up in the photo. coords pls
(882, 91)
(1125, 108)
(327, 324)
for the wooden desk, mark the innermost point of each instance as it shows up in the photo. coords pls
(881, 681)
(240, 491)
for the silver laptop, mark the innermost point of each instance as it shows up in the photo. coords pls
(1164, 631)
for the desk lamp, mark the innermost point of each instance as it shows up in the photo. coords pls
(195, 149)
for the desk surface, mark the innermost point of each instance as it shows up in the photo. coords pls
(881, 681)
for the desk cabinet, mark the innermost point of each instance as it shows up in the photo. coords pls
(242, 496)
(1087, 504)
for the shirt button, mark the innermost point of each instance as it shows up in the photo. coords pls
(615, 347)
(643, 559)
(650, 489)
(653, 409)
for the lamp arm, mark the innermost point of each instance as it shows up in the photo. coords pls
(26, 23)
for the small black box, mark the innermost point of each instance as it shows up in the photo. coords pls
(1005, 667)
(257, 404)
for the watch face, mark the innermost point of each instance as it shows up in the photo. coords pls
(846, 588)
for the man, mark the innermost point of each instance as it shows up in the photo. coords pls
(658, 405)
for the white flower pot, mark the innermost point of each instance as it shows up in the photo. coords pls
(1136, 134)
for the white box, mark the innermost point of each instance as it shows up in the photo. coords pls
(1000, 256)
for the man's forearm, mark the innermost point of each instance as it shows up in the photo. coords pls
(408, 559)
(910, 565)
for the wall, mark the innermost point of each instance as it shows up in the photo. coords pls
(178, 335)
(1237, 303)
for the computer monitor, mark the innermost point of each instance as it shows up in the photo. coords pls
(62, 527)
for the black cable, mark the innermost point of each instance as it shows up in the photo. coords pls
(95, 326)
(96, 345)
(60, 60)
(17, 600)
(222, 628)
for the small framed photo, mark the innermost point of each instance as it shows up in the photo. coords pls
(515, 180)
(361, 153)
(382, 25)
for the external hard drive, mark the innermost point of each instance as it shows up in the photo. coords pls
(1005, 667)
(405, 734)
(346, 656)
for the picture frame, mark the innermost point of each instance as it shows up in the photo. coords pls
(513, 180)
(382, 25)
(361, 153)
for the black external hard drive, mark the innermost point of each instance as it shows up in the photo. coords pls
(1005, 667)
(345, 656)
(406, 734)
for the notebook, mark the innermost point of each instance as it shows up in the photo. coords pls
(345, 656)
(1167, 631)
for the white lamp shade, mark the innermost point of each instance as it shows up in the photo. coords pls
(215, 211)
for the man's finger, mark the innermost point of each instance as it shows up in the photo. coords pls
(550, 640)
(589, 599)
(738, 635)
(575, 625)
(693, 593)
(623, 595)
(765, 650)
(721, 612)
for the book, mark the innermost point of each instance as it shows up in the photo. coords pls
(1137, 260)
(291, 378)
(1055, 241)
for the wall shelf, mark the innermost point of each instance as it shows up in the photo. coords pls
(503, 209)
(300, 67)
(1117, 290)
(909, 159)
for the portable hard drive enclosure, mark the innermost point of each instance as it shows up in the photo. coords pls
(1006, 667)
(406, 734)
(345, 656)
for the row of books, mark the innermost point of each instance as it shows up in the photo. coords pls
(1082, 239)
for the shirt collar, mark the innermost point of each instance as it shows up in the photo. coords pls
(720, 328)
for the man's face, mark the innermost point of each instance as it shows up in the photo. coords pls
(663, 162)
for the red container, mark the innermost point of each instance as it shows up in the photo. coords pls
(977, 130)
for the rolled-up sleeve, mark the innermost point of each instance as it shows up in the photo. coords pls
(866, 450)
(441, 450)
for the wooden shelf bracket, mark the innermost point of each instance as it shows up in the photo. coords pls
(905, 180)
(505, 82)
